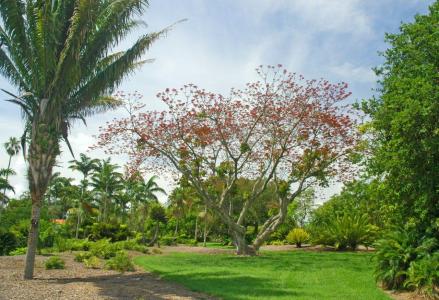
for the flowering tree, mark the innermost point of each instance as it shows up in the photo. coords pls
(282, 132)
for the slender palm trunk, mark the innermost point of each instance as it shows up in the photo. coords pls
(196, 229)
(7, 174)
(42, 153)
(176, 227)
(205, 227)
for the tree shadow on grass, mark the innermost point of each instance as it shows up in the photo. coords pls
(234, 286)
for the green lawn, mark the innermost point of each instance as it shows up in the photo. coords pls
(273, 275)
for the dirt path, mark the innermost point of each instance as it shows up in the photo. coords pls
(77, 282)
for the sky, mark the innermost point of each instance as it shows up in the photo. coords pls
(223, 41)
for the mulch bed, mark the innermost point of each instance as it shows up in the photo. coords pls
(78, 282)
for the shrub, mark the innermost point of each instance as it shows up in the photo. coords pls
(277, 243)
(343, 231)
(156, 251)
(168, 241)
(141, 248)
(114, 232)
(394, 254)
(298, 236)
(54, 262)
(19, 251)
(93, 262)
(62, 244)
(81, 256)
(8, 242)
(121, 262)
(423, 275)
(104, 249)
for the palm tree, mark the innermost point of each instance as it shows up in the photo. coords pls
(56, 53)
(4, 185)
(60, 195)
(107, 182)
(148, 191)
(84, 165)
(12, 147)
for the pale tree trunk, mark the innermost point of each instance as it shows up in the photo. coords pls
(155, 237)
(196, 229)
(42, 153)
(271, 224)
(205, 227)
(143, 225)
(176, 227)
(78, 221)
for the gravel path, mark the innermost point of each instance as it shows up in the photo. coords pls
(77, 282)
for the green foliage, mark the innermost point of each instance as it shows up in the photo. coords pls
(8, 242)
(404, 261)
(404, 123)
(156, 251)
(93, 262)
(168, 240)
(423, 275)
(50, 233)
(157, 213)
(54, 262)
(18, 251)
(62, 244)
(298, 236)
(120, 262)
(81, 256)
(104, 249)
(114, 232)
(277, 242)
(342, 232)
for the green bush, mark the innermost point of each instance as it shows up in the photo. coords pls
(121, 262)
(8, 242)
(93, 262)
(81, 256)
(168, 241)
(343, 231)
(156, 251)
(54, 262)
(277, 243)
(114, 232)
(18, 251)
(298, 236)
(423, 275)
(141, 248)
(62, 244)
(406, 260)
(104, 249)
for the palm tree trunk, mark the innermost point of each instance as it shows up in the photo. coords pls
(176, 227)
(78, 221)
(196, 229)
(9, 165)
(42, 153)
(205, 227)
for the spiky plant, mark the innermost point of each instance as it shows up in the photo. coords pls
(57, 54)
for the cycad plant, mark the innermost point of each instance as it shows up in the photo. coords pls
(57, 55)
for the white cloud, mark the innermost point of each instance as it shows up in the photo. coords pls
(349, 72)
(336, 16)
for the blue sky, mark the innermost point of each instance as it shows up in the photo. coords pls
(222, 42)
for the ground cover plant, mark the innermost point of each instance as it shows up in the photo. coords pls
(273, 275)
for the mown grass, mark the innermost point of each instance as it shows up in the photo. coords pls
(273, 275)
